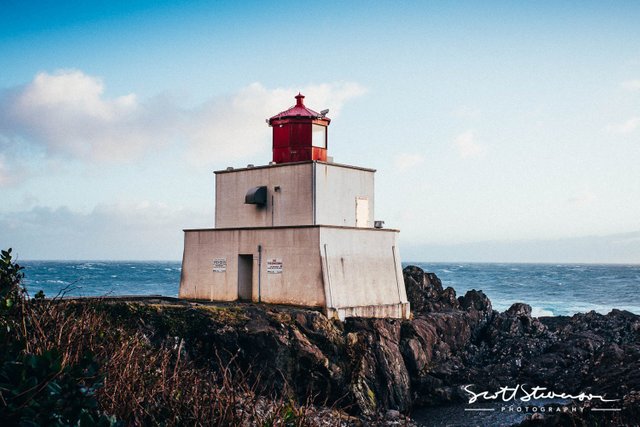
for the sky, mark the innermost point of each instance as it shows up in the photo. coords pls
(501, 131)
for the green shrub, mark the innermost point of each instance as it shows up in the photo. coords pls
(11, 276)
(38, 390)
(86, 363)
(36, 386)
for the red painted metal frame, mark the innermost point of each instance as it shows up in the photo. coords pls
(292, 134)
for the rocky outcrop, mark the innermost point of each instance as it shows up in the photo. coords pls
(368, 366)
(424, 291)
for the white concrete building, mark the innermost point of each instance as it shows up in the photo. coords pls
(298, 231)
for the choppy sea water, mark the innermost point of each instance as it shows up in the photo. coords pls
(102, 278)
(550, 289)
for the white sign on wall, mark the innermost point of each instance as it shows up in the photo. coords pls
(274, 265)
(219, 265)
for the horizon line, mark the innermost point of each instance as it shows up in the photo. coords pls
(412, 262)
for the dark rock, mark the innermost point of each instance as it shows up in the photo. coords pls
(519, 310)
(382, 380)
(475, 301)
(392, 414)
(585, 353)
(379, 366)
(425, 293)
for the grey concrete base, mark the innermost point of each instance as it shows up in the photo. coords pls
(397, 311)
(346, 271)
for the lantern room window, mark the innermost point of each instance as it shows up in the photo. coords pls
(319, 136)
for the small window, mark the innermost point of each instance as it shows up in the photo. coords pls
(319, 136)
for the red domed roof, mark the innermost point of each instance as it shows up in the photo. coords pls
(298, 110)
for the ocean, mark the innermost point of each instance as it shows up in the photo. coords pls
(551, 289)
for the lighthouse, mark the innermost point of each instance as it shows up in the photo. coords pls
(299, 134)
(299, 231)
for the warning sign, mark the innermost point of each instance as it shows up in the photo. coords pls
(219, 265)
(274, 266)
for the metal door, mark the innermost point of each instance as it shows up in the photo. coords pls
(245, 277)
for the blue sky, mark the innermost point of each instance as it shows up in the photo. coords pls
(501, 131)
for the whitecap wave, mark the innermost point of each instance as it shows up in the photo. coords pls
(541, 312)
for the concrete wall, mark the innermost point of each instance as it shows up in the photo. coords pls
(337, 189)
(299, 282)
(310, 193)
(362, 272)
(292, 205)
(348, 271)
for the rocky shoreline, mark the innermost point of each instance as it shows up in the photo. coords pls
(149, 360)
(379, 369)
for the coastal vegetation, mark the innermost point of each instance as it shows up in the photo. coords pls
(156, 360)
(88, 363)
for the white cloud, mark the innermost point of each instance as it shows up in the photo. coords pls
(405, 161)
(68, 114)
(631, 85)
(234, 126)
(467, 145)
(110, 231)
(627, 127)
(5, 174)
(12, 171)
(584, 199)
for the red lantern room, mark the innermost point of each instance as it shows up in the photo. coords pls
(299, 134)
